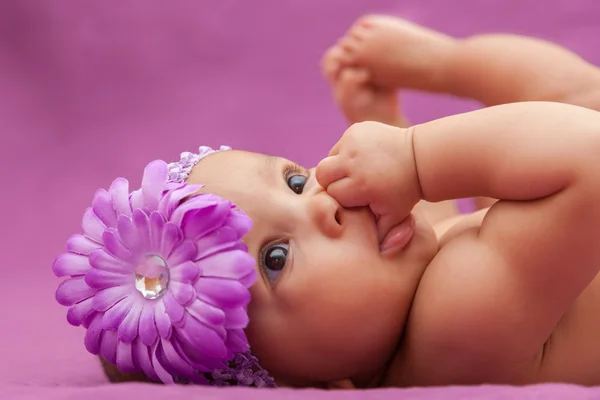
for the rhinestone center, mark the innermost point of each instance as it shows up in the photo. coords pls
(152, 277)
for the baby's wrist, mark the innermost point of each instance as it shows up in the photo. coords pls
(416, 187)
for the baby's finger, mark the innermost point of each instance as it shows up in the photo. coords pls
(329, 170)
(345, 193)
(335, 150)
(384, 224)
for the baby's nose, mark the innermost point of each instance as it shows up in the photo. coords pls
(326, 213)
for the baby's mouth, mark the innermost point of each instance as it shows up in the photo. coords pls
(397, 237)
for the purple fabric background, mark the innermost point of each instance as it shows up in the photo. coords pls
(91, 90)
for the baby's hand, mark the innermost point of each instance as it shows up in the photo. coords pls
(373, 165)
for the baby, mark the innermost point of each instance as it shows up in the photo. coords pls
(357, 288)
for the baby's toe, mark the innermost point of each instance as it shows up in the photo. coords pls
(331, 63)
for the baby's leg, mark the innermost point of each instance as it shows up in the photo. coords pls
(492, 69)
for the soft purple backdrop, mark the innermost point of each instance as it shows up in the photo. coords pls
(91, 90)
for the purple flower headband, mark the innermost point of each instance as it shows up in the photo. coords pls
(160, 279)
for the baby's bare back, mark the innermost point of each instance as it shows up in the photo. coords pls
(571, 354)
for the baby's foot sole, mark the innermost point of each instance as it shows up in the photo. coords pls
(361, 101)
(397, 53)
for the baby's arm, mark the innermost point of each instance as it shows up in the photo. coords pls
(502, 290)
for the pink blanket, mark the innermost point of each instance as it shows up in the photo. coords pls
(192, 393)
(91, 90)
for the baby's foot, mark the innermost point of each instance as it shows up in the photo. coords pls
(396, 53)
(358, 98)
(362, 101)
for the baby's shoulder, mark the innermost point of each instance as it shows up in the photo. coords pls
(444, 278)
(455, 310)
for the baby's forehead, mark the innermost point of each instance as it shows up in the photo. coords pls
(223, 164)
(239, 176)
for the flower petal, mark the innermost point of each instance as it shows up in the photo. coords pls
(239, 221)
(79, 244)
(92, 226)
(202, 338)
(69, 264)
(80, 312)
(115, 315)
(103, 208)
(197, 223)
(204, 312)
(168, 355)
(115, 247)
(236, 318)
(230, 264)
(162, 374)
(197, 359)
(93, 335)
(119, 193)
(162, 360)
(236, 341)
(182, 352)
(186, 272)
(128, 329)
(136, 200)
(142, 359)
(193, 204)
(108, 346)
(185, 251)
(73, 291)
(147, 328)
(172, 186)
(105, 299)
(157, 222)
(100, 259)
(154, 182)
(88, 320)
(171, 200)
(128, 233)
(100, 279)
(197, 378)
(125, 358)
(222, 293)
(183, 292)
(162, 320)
(172, 236)
(140, 220)
(217, 241)
(174, 310)
(249, 279)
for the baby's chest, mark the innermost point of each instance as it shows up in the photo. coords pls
(571, 354)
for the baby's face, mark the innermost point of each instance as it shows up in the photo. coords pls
(327, 305)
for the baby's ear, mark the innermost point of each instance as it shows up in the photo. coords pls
(341, 384)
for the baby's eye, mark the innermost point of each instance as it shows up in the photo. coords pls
(274, 260)
(296, 183)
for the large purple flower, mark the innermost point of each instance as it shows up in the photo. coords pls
(159, 278)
